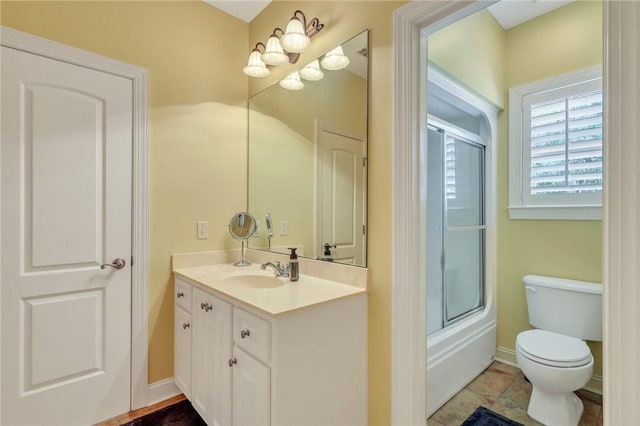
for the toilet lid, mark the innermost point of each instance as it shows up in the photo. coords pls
(553, 349)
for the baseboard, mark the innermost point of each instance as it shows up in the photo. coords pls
(162, 390)
(508, 356)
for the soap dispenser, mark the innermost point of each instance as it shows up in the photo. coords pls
(294, 271)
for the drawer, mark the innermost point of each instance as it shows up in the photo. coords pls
(252, 333)
(182, 294)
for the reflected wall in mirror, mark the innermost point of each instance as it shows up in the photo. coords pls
(307, 163)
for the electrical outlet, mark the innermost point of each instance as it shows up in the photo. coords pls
(284, 228)
(203, 230)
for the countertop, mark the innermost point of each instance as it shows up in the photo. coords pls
(290, 296)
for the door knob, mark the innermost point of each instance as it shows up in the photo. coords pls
(118, 263)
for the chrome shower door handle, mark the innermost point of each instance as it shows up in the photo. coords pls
(118, 263)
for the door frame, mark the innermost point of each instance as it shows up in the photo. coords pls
(139, 237)
(621, 223)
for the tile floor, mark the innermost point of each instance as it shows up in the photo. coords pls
(503, 389)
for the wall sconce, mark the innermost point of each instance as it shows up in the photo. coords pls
(292, 82)
(335, 59)
(312, 71)
(283, 47)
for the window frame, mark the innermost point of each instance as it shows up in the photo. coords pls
(555, 206)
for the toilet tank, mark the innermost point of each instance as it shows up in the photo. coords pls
(569, 307)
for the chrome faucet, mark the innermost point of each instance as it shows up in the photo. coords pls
(279, 270)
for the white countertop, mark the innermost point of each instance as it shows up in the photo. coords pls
(290, 296)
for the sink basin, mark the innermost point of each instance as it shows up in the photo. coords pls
(253, 280)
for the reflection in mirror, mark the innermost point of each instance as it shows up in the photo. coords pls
(307, 161)
(242, 226)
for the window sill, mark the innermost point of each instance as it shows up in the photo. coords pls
(556, 212)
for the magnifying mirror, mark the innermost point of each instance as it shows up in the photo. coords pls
(242, 227)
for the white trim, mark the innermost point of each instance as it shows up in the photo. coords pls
(508, 356)
(162, 390)
(138, 76)
(521, 204)
(408, 376)
(556, 212)
(621, 303)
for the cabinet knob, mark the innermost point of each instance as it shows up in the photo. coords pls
(186, 325)
(180, 294)
(244, 333)
(206, 307)
(232, 361)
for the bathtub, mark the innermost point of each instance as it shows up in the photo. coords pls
(458, 353)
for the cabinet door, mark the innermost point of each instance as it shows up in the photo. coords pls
(211, 375)
(182, 350)
(251, 391)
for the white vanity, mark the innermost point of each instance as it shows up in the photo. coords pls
(253, 349)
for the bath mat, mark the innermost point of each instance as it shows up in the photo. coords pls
(180, 414)
(485, 417)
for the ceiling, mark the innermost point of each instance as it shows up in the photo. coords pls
(508, 13)
(241, 9)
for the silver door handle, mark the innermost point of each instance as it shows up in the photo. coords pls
(118, 263)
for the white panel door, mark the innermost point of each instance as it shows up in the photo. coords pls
(341, 172)
(251, 391)
(66, 169)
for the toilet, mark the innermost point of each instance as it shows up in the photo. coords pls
(554, 356)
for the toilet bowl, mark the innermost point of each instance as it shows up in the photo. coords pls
(556, 365)
(554, 356)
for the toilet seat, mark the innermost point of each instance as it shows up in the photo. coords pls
(553, 349)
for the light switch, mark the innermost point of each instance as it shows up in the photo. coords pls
(203, 230)
(284, 228)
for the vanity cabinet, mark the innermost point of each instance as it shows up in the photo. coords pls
(182, 337)
(300, 367)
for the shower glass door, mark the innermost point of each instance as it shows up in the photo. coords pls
(464, 227)
(455, 225)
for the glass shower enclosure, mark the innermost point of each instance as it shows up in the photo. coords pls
(455, 224)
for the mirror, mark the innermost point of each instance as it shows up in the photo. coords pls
(242, 226)
(307, 161)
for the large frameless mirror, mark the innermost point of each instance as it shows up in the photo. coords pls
(308, 159)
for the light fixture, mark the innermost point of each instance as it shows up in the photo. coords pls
(335, 59)
(292, 82)
(312, 71)
(273, 53)
(283, 47)
(256, 66)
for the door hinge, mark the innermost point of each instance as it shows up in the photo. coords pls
(132, 261)
(364, 229)
(364, 161)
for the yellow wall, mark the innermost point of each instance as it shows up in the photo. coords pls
(343, 20)
(197, 121)
(490, 60)
(472, 51)
(567, 39)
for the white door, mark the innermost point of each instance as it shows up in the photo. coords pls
(341, 171)
(66, 168)
(251, 391)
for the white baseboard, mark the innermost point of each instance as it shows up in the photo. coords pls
(162, 390)
(508, 356)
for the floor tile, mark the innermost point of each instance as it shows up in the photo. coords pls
(458, 408)
(491, 384)
(517, 395)
(591, 413)
(432, 422)
(505, 368)
(516, 414)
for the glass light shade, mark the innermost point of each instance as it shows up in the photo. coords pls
(312, 71)
(295, 38)
(335, 59)
(292, 82)
(256, 66)
(273, 54)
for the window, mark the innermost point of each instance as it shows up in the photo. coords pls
(555, 147)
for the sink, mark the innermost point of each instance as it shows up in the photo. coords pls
(253, 280)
